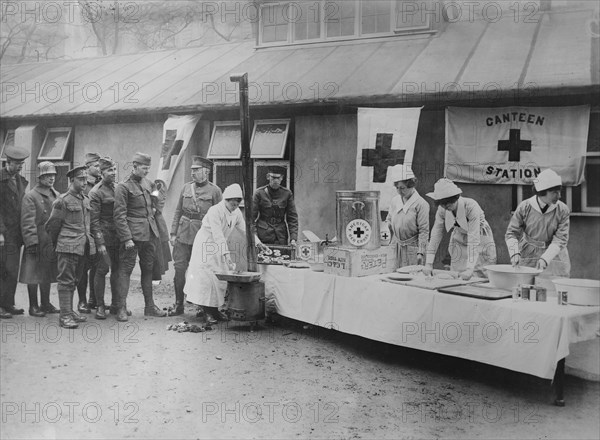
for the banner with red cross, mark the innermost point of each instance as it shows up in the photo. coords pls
(386, 137)
(512, 145)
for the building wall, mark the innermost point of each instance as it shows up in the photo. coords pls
(328, 144)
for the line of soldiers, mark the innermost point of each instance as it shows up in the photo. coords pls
(99, 226)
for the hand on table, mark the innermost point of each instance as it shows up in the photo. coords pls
(541, 264)
(466, 274)
(428, 270)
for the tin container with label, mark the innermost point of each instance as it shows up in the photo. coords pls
(563, 299)
(541, 293)
(525, 289)
(358, 219)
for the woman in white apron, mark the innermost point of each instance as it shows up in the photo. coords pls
(471, 244)
(408, 218)
(211, 254)
(538, 231)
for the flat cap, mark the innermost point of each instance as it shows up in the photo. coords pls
(46, 167)
(91, 158)
(80, 171)
(142, 158)
(105, 163)
(16, 153)
(200, 162)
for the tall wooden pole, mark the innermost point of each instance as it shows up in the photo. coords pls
(247, 171)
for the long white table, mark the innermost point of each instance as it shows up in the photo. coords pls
(528, 337)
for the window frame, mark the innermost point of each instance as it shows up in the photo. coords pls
(216, 125)
(595, 159)
(281, 155)
(8, 133)
(49, 131)
(393, 31)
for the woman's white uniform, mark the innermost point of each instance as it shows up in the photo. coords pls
(210, 246)
(537, 235)
(472, 242)
(410, 225)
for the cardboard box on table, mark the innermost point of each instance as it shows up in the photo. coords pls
(349, 262)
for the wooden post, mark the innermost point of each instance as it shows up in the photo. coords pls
(247, 172)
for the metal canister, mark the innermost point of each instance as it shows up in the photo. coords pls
(358, 219)
(541, 293)
(563, 297)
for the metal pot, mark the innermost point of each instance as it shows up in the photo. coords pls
(579, 291)
(246, 301)
(505, 276)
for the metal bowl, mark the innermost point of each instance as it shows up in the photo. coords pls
(505, 276)
(580, 291)
(238, 277)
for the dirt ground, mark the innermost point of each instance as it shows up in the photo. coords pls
(139, 380)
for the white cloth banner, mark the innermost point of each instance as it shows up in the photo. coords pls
(177, 132)
(386, 137)
(512, 145)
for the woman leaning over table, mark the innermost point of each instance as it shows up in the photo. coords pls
(538, 231)
(408, 218)
(210, 254)
(471, 244)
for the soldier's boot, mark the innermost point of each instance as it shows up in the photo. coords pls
(65, 299)
(150, 309)
(45, 297)
(179, 283)
(99, 287)
(123, 283)
(82, 306)
(34, 308)
(92, 302)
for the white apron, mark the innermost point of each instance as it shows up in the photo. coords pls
(210, 246)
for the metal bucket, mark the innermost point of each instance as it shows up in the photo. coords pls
(357, 218)
(246, 301)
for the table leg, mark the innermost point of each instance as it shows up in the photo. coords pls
(559, 383)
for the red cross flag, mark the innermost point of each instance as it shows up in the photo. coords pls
(386, 137)
(512, 145)
(177, 132)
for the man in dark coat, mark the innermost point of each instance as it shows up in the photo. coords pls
(93, 178)
(137, 232)
(39, 262)
(102, 202)
(195, 199)
(69, 229)
(12, 191)
(274, 212)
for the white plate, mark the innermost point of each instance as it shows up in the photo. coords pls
(400, 277)
(410, 269)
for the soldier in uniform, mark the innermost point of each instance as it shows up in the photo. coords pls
(274, 212)
(137, 232)
(195, 199)
(38, 264)
(93, 177)
(102, 202)
(69, 229)
(12, 190)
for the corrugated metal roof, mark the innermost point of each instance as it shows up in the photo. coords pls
(553, 53)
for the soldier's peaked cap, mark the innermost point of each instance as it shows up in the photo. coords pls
(142, 158)
(200, 162)
(16, 153)
(79, 171)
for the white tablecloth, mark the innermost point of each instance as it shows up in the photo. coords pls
(529, 337)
